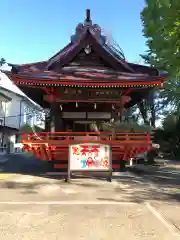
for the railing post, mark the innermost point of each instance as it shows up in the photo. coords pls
(127, 137)
(149, 138)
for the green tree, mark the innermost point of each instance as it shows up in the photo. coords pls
(28, 129)
(126, 127)
(167, 100)
(169, 135)
(2, 61)
(161, 27)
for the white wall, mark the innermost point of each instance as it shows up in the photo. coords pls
(20, 110)
(15, 111)
(17, 106)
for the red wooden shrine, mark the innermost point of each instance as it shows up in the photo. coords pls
(86, 81)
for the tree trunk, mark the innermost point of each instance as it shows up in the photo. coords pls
(152, 108)
(143, 111)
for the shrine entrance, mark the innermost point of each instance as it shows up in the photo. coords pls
(82, 126)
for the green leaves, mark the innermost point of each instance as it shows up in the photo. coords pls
(28, 129)
(161, 22)
(161, 26)
(2, 61)
(130, 126)
(169, 135)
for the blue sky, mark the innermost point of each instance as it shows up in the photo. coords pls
(33, 30)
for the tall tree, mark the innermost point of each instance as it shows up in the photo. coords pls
(161, 22)
(154, 103)
(161, 27)
(166, 100)
(169, 136)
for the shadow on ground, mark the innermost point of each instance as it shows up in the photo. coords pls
(27, 164)
(164, 177)
(23, 164)
(128, 188)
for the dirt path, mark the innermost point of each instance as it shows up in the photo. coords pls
(127, 208)
(131, 207)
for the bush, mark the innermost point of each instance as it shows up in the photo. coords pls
(126, 127)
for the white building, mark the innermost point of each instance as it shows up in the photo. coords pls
(16, 110)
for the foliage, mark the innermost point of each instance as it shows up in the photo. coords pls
(161, 27)
(169, 136)
(2, 61)
(161, 22)
(170, 96)
(167, 100)
(28, 129)
(125, 127)
(36, 110)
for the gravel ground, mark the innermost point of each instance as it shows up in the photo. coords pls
(125, 188)
(131, 207)
(35, 206)
(86, 222)
(167, 182)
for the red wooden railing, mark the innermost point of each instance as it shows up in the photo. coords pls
(66, 137)
(54, 146)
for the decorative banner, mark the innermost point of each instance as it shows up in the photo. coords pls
(89, 156)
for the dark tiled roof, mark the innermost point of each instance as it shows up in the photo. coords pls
(80, 74)
(34, 67)
(58, 57)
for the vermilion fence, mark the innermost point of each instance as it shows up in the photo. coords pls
(64, 137)
(54, 146)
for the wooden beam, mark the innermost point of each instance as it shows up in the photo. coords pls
(52, 99)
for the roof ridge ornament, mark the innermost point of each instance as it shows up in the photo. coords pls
(95, 29)
(88, 21)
